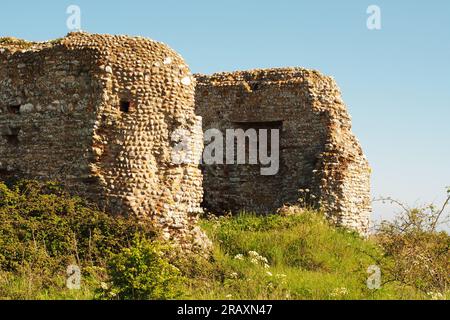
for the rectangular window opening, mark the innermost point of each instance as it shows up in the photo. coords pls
(259, 125)
(268, 125)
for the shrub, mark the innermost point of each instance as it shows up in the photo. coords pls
(43, 229)
(143, 272)
(416, 254)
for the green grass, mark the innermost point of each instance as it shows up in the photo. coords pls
(297, 256)
(27, 286)
(307, 259)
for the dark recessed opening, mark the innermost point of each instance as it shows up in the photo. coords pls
(125, 106)
(15, 109)
(259, 125)
(12, 138)
(267, 125)
(255, 86)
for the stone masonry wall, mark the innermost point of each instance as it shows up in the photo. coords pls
(321, 162)
(97, 113)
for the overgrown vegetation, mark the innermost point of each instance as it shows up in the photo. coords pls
(293, 255)
(419, 252)
(43, 230)
(302, 257)
(142, 271)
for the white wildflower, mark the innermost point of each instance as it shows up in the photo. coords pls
(239, 257)
(104, 286)
(436, 296)
(253, 254)
(339, 292)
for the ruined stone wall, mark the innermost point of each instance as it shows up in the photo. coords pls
(321, 162)
(47, 103)
(97, 113)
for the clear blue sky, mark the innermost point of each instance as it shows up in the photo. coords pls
(395, 81)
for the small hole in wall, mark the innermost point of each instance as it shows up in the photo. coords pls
(255, 86)
(125, 106)
(12, 138)
(15, 109)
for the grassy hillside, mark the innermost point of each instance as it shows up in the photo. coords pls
(294, 256)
